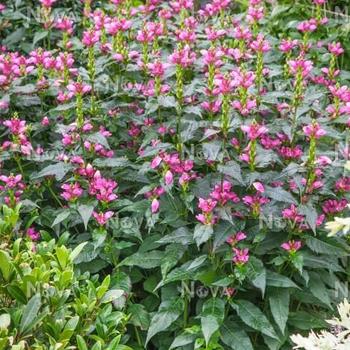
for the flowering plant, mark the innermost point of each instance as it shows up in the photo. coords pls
(195, 151)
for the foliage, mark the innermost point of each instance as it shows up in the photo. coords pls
(192, 158)
(46, 305)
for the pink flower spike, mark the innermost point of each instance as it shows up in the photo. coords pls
(314, 130)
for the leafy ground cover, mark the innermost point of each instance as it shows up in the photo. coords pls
(167, 170)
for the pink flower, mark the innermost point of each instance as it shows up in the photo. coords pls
(16, 126)
(45, 121)
(156, 69)
(260, 44)
(207, 205)
(183, 57)
(102, 188)
(234, 239)
(101, 217)
(300, 66)
(11, 181)
(154, 205)
(47, 3)
(71, 191)
(291, 246)
(168, 178)
(291, 213)
(241, 256)
(33, 234)
(254, 130)
(335, 48)
(222, 193)
(90, 37)
(259, 187)
(332, 206)
(78, 88)
(314, 130)
(288, 45)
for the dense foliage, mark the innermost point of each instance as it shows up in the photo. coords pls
(167, 168)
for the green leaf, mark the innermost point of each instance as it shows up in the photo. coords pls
(30, 313)
(310, 216)
(167, 101)
(112, 295)
(81, 343)
(5, 265)
(17, 293)
(209, 325)
(139, 316)
(40, 36)
(164, 318)
(184, 272)
(77, 250)
(61, 217)
(324, 246)
(235, 337)
(279, 305)
(202, 233)
(112, 162)
(182, 235)
(146, 260)
(279, 194)
(183, 340)
(276, 280)
(85, 212)
(58, 170)
(254, 318)
(258, 272)
(306, 320)
(97, 137)
(212, 316)
(232, 169)
(318, 289)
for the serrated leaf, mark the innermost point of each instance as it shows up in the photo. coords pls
(146, 260)
(167, 101)
(279, 194)
(235, 337)
(111, 162)
(279, 305)
(58, 170)
(163, 319)
(202, 233)
(324, 246)
(253, 317)
(276, 280)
